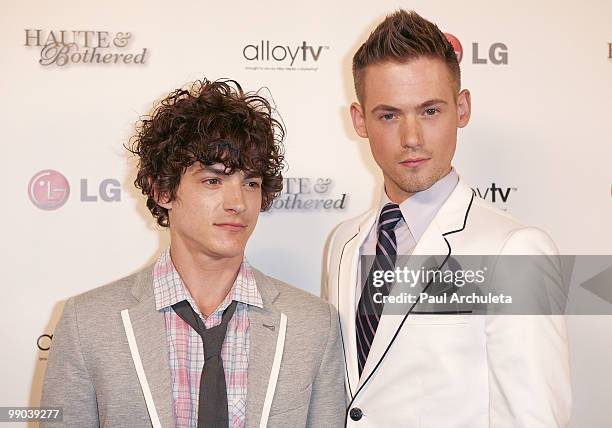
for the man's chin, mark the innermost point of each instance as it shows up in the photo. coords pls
(232, 254)
(420, 188)
(415, 186)
(227, 252)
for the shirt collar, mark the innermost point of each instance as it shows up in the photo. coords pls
(420, 209)
(169, 289)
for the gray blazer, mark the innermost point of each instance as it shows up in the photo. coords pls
(91, 374)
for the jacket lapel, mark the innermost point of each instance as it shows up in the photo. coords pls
(264, 324)
(150, 331)
(347, 281)
(450, 219)
(431, 243)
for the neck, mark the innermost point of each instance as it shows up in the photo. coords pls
(395, 195)
(209, 279)
(398, 195)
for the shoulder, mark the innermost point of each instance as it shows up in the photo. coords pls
(511, 235)
(347, 229)
(312, 323)
(85, 315)
(113, 296)
(300, 305)
(294, 300)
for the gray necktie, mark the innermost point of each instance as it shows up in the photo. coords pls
(212, 408)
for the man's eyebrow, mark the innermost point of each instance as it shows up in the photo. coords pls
(222, 171)
(385, 107)
(392, 109)
(431, 102)
(252, 174)
(212, 169)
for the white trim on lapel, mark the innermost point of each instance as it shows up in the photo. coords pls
(264, 332)
(142, 378)
(278, 356)
(149, 329)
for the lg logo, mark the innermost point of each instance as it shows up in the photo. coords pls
(109, 190)
(49, 190)
(496, 53)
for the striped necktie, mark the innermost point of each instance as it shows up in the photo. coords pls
(369, 311)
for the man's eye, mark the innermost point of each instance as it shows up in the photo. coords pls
(253, 184)
(431, 111)
(387, 116)
(212, 181)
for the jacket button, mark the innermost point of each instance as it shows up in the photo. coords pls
(356, 413)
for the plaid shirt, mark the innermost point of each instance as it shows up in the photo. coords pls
(186, 353)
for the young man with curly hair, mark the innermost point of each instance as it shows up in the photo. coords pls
(417, 365)
(201, 338)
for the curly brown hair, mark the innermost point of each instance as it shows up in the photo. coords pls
(209, 122)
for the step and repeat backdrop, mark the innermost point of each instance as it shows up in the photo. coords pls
(76, 76)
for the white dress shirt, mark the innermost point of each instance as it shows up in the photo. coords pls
(417, 211)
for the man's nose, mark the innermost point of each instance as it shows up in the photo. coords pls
(410, 132)
(233, 198)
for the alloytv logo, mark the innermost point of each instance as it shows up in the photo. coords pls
(297, 54)
(494, 193)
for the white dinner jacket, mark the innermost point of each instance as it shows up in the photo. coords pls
(453, 371)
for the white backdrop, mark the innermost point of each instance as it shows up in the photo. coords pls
(540, 131)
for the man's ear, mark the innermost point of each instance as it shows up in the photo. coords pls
(464, 108)
(160, 198)
(358, 120)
